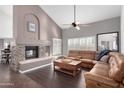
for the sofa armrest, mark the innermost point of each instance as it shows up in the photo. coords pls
(100, 79)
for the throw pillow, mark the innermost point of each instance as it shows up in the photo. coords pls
(102, 53)
(105, 58)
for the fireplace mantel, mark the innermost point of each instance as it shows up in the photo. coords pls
(35, 43)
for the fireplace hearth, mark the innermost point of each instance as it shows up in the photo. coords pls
(31, 52)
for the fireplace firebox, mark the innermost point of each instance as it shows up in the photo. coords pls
(31, 52)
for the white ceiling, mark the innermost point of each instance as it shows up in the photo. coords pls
(63, 14)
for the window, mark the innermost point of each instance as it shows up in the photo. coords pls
(83, 43)
(57, 43)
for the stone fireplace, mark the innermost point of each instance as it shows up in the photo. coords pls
(23, 52)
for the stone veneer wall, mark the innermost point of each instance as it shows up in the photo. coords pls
(46, 30)
(18, 54)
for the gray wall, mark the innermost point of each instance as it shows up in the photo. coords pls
(48, 28)
(109, 25)
(122, 30)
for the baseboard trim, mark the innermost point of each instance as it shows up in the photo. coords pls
(35, 68)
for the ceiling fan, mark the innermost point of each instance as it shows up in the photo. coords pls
(75, 23)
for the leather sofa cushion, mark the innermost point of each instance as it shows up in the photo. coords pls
(94, 61)
(114, 53)
(99, 80)
(73, 53)
(103, 66)
(116, 67)
(88, 61)
(100, 71)
(86, 65)
(88, 54)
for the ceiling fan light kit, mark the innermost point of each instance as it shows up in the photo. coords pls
(75, 25)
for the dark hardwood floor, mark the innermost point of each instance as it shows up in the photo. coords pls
(41, 78)
(48, 78)
(10, 79)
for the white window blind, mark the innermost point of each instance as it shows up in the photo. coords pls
(83, 43)
(57, 46)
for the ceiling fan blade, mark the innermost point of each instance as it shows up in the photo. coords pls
(66, 24)
(86, 25)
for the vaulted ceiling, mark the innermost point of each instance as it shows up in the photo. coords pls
(64, 14)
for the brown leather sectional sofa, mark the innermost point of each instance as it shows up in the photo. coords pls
(109, 74)
(87, 57)
(102, 74)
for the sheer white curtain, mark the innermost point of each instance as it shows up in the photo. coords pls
(83, 43)
(57, 46)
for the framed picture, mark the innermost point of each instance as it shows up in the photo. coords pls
(31, 27)
(108, 41)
